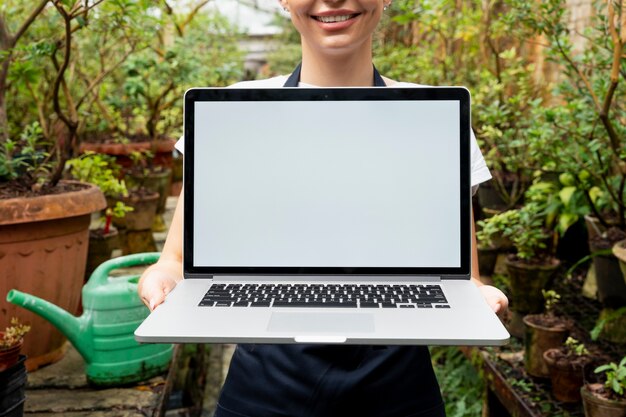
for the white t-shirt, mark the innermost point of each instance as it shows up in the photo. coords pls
(479, 171)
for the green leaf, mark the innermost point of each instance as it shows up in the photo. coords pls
(566, 194)
(566, 220)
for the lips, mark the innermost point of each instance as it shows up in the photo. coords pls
(335, 18)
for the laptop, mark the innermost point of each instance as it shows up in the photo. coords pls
(337, 215)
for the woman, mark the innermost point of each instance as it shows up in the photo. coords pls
(316, 380)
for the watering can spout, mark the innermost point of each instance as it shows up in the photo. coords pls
(72, 327)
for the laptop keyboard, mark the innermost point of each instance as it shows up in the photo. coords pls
(325, 295)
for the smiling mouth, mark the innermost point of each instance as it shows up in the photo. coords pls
(335, 19)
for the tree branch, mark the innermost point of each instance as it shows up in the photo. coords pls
(192, 14)
(29, 20)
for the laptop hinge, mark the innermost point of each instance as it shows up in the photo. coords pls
(334, 278)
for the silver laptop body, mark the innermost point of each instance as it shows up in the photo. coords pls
(326, 216)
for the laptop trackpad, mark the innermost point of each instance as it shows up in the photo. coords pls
(307, 322)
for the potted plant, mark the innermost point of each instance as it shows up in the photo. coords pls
(566, 365)
(43, 220)
(102, 171)
(11, 340)
(12, 369)
(584, 127)
(608, 399)
(543, 331)
(145, 174)
(145, 108)
(534, 235)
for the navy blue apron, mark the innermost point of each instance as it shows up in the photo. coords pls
(330, 380)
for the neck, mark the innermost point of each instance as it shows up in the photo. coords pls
(350, 70)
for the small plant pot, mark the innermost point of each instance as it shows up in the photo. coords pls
(596, 405)
(9, 356)
(526, 283)
(144, 209)
(12, 387)
(566, 375)
(539, 338)
(609, 278)
(101, 247)
(158, 182)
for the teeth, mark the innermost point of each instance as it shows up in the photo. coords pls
(334, 19)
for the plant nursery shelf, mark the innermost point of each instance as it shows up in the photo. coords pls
(512, 392)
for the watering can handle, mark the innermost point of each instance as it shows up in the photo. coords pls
(100, 275)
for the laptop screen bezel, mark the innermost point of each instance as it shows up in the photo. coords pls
(459, 94)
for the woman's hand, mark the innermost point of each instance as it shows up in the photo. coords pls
(495, 298)
(157, 281)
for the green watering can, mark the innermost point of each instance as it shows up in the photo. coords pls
(103, 334)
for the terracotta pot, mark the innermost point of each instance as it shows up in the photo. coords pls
(101, 248)
(526, 282)
(43, 251)
(158, 182)
(566, 377)
(122, 152)
(142, 217)
(596, 406)
(539, 339)
(609, 279)
(9, 356)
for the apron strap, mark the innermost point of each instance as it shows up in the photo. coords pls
(294, 78)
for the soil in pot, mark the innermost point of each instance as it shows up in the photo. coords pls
(567, 373)
(599, 402)
(543, 332)
(609, 278)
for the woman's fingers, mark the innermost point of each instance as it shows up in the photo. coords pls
(154, 287)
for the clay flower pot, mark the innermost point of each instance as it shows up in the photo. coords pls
(43, 251)
(525, 284)
(142, 217)
(540, 337)
(9, 356)
(527, 281)
(609, 277)
(101, 247)
(566, 374)
(598, 405)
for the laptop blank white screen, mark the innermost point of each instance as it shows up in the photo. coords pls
(327, 184)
